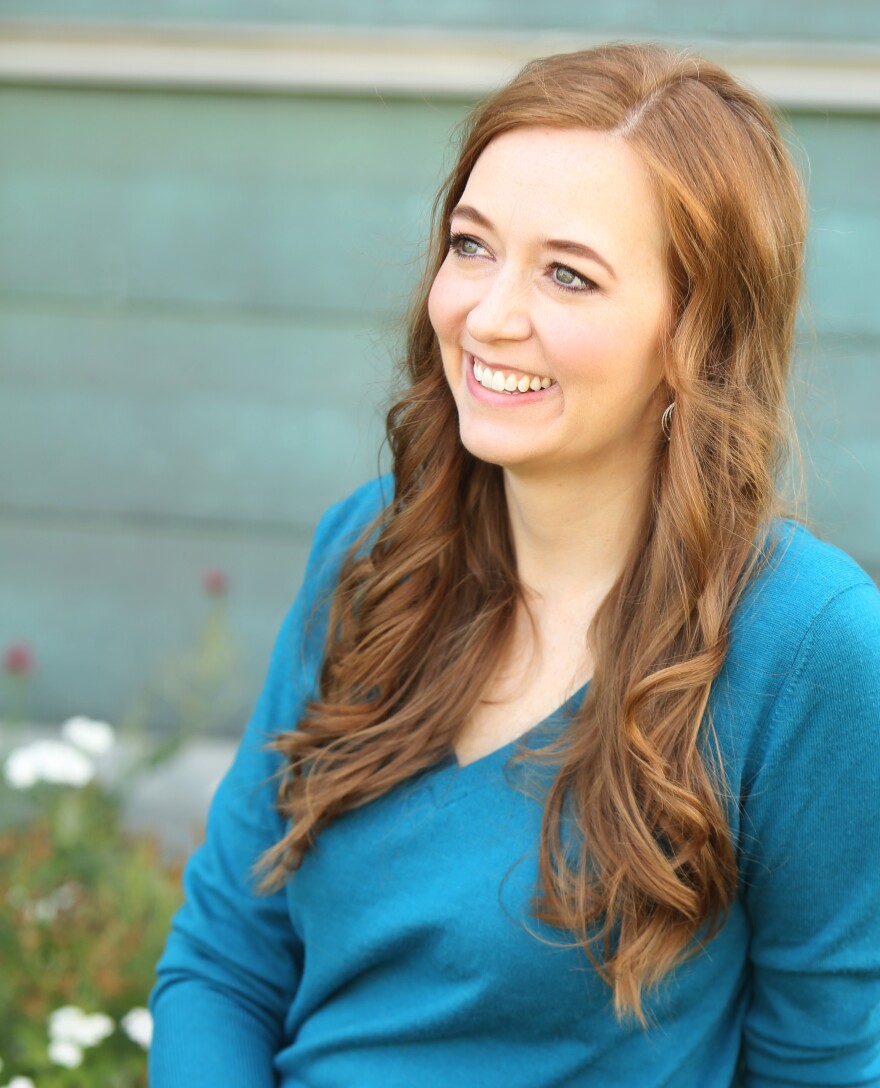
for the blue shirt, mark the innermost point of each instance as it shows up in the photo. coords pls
(402, 952)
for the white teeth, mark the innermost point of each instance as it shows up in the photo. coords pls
(500, 382)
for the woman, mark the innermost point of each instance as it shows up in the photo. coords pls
(565, 772)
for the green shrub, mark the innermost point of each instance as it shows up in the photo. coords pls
(83, 918)
(85, 905)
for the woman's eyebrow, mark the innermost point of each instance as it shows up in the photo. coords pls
(467, 212)
(577, 249)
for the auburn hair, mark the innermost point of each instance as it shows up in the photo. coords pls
(424, 605)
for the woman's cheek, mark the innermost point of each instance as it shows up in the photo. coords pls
(438, 304)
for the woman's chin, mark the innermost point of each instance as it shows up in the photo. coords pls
(508, 455)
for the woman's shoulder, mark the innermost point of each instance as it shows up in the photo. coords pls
(344, 523)
(806, 596)
(801, 576)
(796, 553)
(803, 660)
(299, 646)
(346, 520)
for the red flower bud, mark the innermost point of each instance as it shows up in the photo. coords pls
(216, 582)
(18, 659)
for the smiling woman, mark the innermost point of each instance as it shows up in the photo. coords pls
(503, 301)
(565, 771)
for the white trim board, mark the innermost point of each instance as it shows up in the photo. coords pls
(393, 62)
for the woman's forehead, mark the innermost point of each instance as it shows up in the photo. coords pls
(547, 183)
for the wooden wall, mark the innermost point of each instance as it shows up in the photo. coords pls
(198, 298)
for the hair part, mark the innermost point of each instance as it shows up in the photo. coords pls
(651, 871)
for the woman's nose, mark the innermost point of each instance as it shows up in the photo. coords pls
(500, 313)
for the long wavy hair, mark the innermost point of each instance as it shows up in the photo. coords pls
(424, 606)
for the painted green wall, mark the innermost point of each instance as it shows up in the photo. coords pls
(198, 295)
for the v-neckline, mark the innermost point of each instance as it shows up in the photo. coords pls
(564, 710)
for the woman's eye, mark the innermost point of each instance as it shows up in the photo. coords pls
(464, 245)
(571, 280)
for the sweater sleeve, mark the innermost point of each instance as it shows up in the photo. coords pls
(232, 961)
(812, 861)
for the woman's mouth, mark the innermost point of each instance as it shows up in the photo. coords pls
(500, 380)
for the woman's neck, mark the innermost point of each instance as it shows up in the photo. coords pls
(572, 536)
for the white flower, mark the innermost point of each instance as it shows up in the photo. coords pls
(65, 1022)
(47, 908)
(63, 1052)
(138, 1026)
(92, 737)
(21, 1082)
(47, 761)
(71, 1025)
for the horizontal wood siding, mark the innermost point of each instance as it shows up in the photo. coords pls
(164, 416)
(114, 609)
(258, 204)
(198, 297)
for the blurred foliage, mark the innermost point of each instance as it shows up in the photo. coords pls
(192, 689)
(86, 905)
(85, 912)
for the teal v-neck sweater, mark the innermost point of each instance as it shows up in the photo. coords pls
(402, 953)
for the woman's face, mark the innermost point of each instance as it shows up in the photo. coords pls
(552, 301)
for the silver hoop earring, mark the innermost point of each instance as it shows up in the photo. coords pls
(666, 421)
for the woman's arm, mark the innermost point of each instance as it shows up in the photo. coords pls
(232, 962)
(811, 828)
